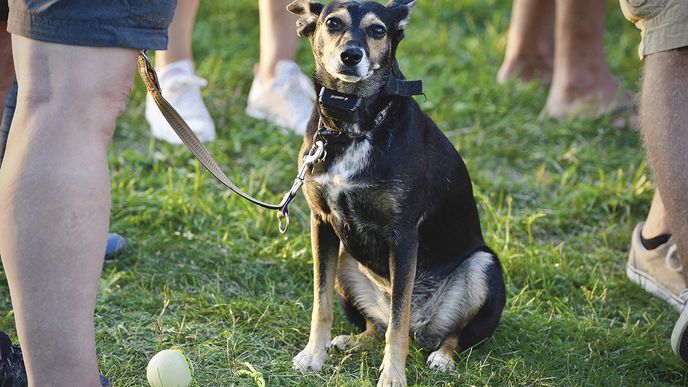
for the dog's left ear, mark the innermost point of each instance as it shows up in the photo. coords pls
(308, 12)
(401, 12)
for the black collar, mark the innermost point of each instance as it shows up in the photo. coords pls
(329, 135)
(353, 109)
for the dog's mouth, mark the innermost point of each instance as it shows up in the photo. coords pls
(348, 74)
(353, 74)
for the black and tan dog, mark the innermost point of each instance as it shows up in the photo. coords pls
(394, 224)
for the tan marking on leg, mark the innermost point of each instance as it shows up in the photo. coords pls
(324, 257)
(393, 368)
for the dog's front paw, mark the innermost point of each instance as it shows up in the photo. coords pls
(440, 361)
(310, 359)
(391, 374)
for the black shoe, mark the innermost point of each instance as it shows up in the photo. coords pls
(12, 370)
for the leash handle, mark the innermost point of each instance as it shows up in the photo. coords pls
(150, 79)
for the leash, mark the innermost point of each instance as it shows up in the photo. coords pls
(351, 111)
(316, 154)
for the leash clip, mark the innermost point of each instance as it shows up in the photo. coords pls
(316, 154)
(147, 68)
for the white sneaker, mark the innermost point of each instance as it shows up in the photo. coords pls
(182, 89)
(679, 336)
(286, 101)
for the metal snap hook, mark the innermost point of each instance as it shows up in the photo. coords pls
(283, 220)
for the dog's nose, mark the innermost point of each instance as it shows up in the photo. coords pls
(351, 56)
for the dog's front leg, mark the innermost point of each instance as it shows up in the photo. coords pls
(325, 244)
(402, 272)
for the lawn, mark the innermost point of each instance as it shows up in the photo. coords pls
(210, 274)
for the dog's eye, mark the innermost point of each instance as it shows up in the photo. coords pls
(333, 24)
(377, 32)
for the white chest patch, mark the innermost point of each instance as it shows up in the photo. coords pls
(347, 165)
(340, 176)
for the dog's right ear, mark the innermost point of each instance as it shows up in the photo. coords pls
(308, 12)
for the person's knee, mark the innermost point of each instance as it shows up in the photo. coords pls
(85, 84)
(92, 99)
(79, 109)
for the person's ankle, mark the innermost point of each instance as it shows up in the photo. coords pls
(585, 87)
(653, 229)
(593, 93)
(526, 68)
(181, 67)
(266, 73)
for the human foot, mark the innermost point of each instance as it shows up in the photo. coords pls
(526, 70)
(591, 99)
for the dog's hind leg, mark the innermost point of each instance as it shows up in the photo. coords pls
(354, 288)
(443, 358)
(352, 313)
(485, 322)
(325, 244)
(465, 310)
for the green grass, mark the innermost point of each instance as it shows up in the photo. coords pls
(209, 273)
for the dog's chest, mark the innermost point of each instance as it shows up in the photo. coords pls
(361, 209)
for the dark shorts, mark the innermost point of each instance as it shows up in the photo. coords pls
(3, 10)
(138, 24)
(7, 118)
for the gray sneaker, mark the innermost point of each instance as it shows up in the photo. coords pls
(659, 271)
(679, 337)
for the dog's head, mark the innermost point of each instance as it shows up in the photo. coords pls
(353, 43)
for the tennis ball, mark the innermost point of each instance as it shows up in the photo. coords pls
(168, 368)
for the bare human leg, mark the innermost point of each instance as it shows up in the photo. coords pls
(582, 82)
(656, 222)
(530, 46)
(178, 81)
(664, 126)
(280, 92)
(278, 39)
(55, 197)
(179, 34)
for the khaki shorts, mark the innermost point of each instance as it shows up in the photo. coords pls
(663, 24)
